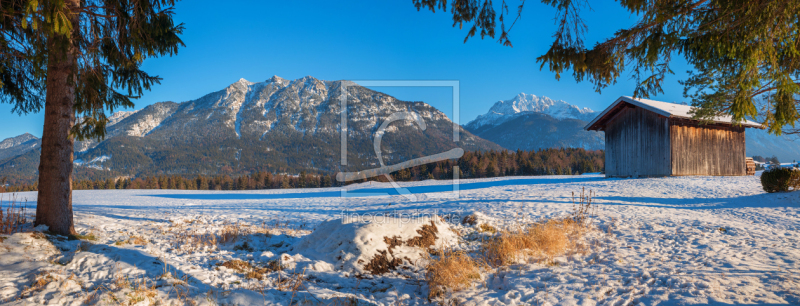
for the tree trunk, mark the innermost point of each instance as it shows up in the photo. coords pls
(54, 203)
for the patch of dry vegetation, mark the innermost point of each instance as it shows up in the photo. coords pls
(486, 228)
(193, 235)
(40, 281)
(231, 232)
(139, 291)
(136, 240)
(543, 240)
(92, 236)
(540, 241)
(13, 218)
(453, 271)
(250, 271)
(237, 265)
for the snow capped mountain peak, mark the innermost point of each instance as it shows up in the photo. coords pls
(15, 141)
(239, 85)
(276, 79)
(505, 110)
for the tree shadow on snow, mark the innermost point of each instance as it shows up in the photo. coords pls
(103, 264)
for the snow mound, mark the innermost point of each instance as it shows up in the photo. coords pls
(376, 246)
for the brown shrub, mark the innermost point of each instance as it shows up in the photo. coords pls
(543, 240)
(452, 271)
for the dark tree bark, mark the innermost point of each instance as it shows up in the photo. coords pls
(54, 203)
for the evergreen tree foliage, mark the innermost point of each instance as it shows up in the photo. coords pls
(77, 59)
(745, 54)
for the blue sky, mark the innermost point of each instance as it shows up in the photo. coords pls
(369, 40)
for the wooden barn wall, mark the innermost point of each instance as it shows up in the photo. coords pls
(707, 150)
(637, 144)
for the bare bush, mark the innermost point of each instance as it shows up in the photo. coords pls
(13, 218)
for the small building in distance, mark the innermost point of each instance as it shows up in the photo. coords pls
(647, 138)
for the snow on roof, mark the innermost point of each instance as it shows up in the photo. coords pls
(666, 109)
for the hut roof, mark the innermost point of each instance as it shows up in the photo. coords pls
(665, 109)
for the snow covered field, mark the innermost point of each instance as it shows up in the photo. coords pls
(665, 241)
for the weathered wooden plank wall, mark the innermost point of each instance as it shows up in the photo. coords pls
(707, 150)
(637, 144)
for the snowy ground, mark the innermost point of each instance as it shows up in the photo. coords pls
(664, 241)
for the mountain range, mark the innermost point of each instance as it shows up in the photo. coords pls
(288, 126)
(529, 122)
(279, 125)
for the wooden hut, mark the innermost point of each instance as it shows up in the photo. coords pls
(652, 138)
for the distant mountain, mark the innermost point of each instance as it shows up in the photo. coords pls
(529, 122)
(18, 145)
(277, 125)
(535, 131)
(503, 111)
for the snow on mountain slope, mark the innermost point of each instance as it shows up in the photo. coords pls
(529, 122)
(18, 145)
(278, 124)
(119, 116)
(503, 111)
(132, 123)
(15, 141)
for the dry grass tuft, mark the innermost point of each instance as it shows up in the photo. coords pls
(89, 237)
(486, 228)
(255, 274)
(141, 291)
(237, 265)
(137, 240)
(195, 239)
(291, 283)
(541, 241)
(452, 271)
(40, 281)
(274, 265)
(250, 271)
(192, 241)
(13, 218)
(230, 233)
